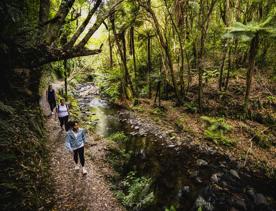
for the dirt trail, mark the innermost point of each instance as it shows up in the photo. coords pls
(73, 191)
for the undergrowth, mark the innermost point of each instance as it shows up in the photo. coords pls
(118, 136)
(136, 192)
(216, 130)
(25, 183)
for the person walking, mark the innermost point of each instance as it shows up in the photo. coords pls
(62, 111)
(51, 98)
(74, 142)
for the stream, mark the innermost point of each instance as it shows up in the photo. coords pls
(183, 176)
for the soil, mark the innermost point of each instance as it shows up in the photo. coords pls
(73, 191)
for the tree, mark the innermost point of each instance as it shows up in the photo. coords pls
(252, 32)
(48, 49)
(164, 45)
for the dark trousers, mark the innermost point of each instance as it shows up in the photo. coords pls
(52, 105)
(64, 121)
(79, 153)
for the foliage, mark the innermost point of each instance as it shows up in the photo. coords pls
(138, 108)
(118, 137)
(25, 179)
(208, 74)
(248, 31)
(159, 111)
(191, 107)
(109, 82)
(263, 140)
(171, 208)
(271, 99)
(216, 130)
(137, 194)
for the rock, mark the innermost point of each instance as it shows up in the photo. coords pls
(136, 127)
(171, 146)
(193, 173)
(233, 209)
(251, 192)
(234, 173)
(183, 191)
(201, 202)
(186, 189)
(198, 180)
(201, 162)
(260, 199)
(172, 138)
(215, 178)
(239, 203)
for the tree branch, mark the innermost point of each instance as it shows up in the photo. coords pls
(83, 25)
(59, 54)
(55, 27)
(97, 24)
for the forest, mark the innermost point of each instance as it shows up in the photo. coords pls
(177, 99)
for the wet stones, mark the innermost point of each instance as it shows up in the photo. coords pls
(201, 162)
(238, 203)
(203, 204)
(234, 173)
(259, 199)
(216, 177)
(193, 173)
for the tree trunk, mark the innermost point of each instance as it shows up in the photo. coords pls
(132, 41)
(65, 79)
(127, 80)
(44, 9)
(204, 18)
(251, 65)
(229, 69)
(189, 77)
(110, 50)
(222, 67)
(149, 64)
(181, 69)
(84, 24)
(54, 28)
(167, 52)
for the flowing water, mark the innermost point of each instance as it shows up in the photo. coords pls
(181, 176)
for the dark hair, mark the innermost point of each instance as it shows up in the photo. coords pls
(71, 124)
(50, 86)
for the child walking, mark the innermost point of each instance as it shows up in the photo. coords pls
(62, 112)
(75, 139)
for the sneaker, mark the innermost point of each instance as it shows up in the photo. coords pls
(84, 171)
(77, 168)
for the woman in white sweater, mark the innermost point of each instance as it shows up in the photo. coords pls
(62, 111)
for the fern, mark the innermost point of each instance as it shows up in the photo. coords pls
(216, 130)
(138, 192)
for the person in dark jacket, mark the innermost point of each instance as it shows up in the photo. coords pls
(51, 98)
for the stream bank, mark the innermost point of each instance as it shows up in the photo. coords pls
(183, 174)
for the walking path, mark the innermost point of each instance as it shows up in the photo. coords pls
(73, 191)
